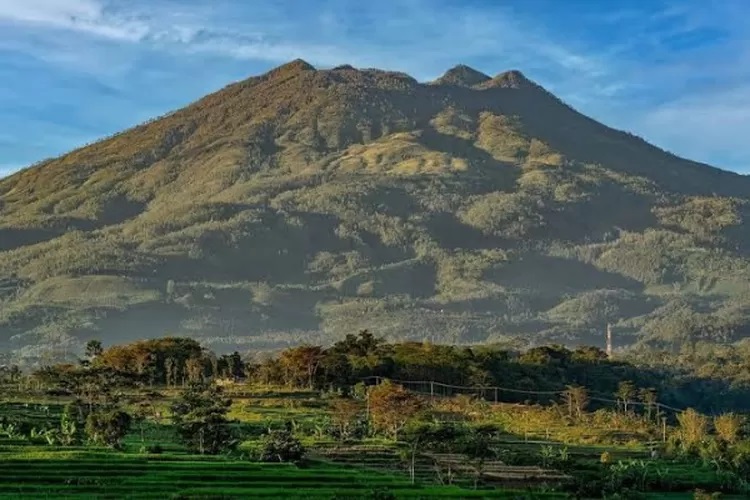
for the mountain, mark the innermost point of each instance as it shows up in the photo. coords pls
(304, 204)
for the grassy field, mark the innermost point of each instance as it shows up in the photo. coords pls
(38, 473)
(33, 470)
(535, 451)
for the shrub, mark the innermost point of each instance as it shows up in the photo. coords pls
(107, 427)
(729, 426)
(200, 419)
(281, 446)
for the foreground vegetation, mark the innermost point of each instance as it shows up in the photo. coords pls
(167, 418)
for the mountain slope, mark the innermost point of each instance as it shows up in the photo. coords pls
(305, 204)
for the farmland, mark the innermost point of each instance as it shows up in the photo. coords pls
(31, 469)
(168, 419)
(153, 464)
(77, 473)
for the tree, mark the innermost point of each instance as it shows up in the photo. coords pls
(729, 427)
(148, 357)
(269, 372)
(301, 364)
(648, 397)
(107, 426)
(144, 364)
(200, 417)
(418, 435)
(477, 446)
(363, 345)
(94, 349)
(14, 373)
(693, 427)
(141, 413)
(170, 372)
(194, 370)
(392, 407)
(95, 386)
(577, 399)
(589, 354)
(212, 365)
(626, 392)
(344, 415)
(282, 446)
(231, 366)
(336, 370)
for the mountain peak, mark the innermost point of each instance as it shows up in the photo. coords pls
(291, 68)
(512, 79)
(462, 76)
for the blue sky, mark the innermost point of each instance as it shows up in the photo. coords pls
(676, 73)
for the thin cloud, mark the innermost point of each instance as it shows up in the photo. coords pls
(711, 127)
(85, 16)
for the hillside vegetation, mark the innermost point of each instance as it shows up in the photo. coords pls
(363, 418)
(305, 204)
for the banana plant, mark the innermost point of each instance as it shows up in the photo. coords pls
(11, 431)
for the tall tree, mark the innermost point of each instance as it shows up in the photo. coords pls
(392, 407)
(170, 372)
(94, 349)
(576, 399)
(200, 417)
(477, 446)
(301, 364)
(420, 435)
(649, 400)
(626, 393)
(194, 370)
(344, 415)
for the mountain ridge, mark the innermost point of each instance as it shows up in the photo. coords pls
(315, 202)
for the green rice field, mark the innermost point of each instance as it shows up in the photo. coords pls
(38, 473)
(370, 468)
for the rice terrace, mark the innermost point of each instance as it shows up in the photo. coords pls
(168, 419)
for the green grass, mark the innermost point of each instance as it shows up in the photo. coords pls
(334, 469)
(41, 473)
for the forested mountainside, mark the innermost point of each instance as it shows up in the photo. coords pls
(304, 204)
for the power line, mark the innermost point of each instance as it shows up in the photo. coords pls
(499, 390)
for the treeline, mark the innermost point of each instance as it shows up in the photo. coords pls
(180, 361)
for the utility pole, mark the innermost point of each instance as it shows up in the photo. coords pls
(609, 340)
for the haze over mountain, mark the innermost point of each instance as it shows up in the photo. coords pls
(304, 204)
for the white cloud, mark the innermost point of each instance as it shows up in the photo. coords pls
(709, 127)
(414, 36)
(85, 16)
(260, 49)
